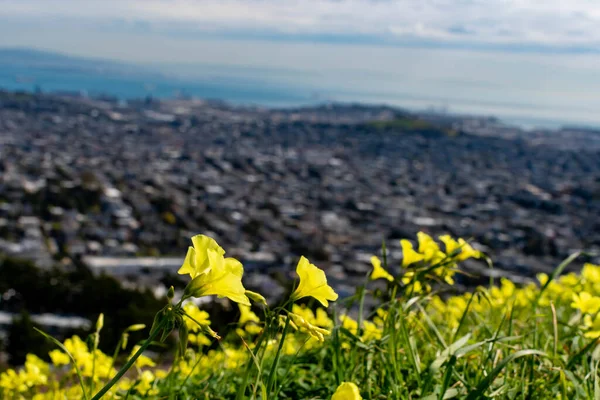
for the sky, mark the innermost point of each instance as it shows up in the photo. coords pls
(508, 57)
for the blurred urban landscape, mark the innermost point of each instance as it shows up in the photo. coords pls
(121, 187)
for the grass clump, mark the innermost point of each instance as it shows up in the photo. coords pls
(537, 341)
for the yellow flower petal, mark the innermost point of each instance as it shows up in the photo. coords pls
(347, 391)
(247, 315)
(409, 255)
(224, 279)
(379, 271)
(313, 283)
(429, 248)
(196, 261)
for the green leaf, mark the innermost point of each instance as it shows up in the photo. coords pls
(157, 319)
(449, 394)
(168, 329)
(183, 338)
(356, 341)
(63, 348)
(447, 352)
(557, 271)
(478, 392)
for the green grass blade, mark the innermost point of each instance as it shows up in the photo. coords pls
(479, 391)
(63, 348)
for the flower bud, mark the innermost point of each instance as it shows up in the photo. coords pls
(256, 297)
(100, 322)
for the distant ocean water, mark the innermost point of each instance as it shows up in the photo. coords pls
(259, 88)
(132, 86)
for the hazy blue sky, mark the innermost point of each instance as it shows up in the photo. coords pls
(509, 57)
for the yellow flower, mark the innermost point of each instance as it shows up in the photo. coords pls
(322, 319)
(197, 261)
(223, 278)
(429, 248)
(146, 384)
(59, 357)
(593, 326)
(412, 285)
(409, 255)
(586, 303)
(10, 380)
(199, 339)
(247, 315)
(347, 391)
(370, 331)
(349, 323)
(313, 283)
(591, 273)
(379, 271)
(460, 250)
(34, 372)
(542, 278)
(201, 316)
(142, 361)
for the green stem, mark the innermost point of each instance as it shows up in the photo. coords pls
(132, 360)
(278, 354)
(242, 389)
(96, 340)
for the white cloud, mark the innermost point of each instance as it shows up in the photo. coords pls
(562, 23)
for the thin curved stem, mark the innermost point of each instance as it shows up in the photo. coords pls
(130, 362)
(278, 354)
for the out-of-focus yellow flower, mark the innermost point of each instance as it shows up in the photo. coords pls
(247, 315)
(542, 278)
(322, 319)
(59, 357)
(104, 366)
(223, 278)
(199, 339)
(570, 280)
(592, 325)
(429, 248)
(146, 385)
(380, 317)
(10, 380)
(460, 250)
(197, 261)
(305, 326)
(347, 391)
(349, 323)
(378, 271)
(586, 303)
(591, 273)
(249, 321)
(409, 255)
(370, 331)
(88, 362)
(142, 361)
(313, 283)
(197, 314)
(304, 312)
(412, 285)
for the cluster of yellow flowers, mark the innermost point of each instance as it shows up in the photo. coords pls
(575, 296)
(39, 380)
(211, 273)
(293, 327)
(427, 263)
